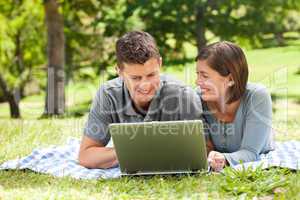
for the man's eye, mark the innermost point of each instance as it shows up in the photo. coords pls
(135, 78)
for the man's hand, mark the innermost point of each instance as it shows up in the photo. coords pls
(216, 160)
(93, 154)
(115, 160)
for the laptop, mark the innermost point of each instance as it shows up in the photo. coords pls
(168, 147)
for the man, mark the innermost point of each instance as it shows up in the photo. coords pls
(139, 94)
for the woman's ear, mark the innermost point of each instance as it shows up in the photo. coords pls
(230, 82)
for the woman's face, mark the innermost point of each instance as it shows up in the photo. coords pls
(213, 86)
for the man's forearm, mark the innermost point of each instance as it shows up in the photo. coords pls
(98, 157)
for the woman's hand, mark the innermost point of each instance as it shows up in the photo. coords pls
(216, 160)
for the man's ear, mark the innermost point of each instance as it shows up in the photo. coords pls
(118, 71)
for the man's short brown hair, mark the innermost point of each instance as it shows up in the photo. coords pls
(227, 58)
(136, 47)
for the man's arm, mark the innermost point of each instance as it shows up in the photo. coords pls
(93, 154)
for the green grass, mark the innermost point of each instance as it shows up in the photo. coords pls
(30, 186)
(275, 67)
(278, 183)
(19, 137)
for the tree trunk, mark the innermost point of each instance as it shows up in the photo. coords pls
(19, 53)
(20, 65)
(55, 96)
(200, 27)
(11, 98)
(279, 38)
(69, 67)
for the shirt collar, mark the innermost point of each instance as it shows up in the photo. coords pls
(128, 106)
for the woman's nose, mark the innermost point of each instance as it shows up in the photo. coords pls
(199, 82)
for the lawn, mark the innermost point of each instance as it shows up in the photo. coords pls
(275, 67)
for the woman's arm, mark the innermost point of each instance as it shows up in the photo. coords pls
(257, 128)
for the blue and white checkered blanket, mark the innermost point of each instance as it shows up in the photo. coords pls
(62, 161)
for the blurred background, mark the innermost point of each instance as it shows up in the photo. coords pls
(54, 54)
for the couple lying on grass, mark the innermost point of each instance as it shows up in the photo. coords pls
(237, 115)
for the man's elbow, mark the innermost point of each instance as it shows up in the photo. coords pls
(84, 161)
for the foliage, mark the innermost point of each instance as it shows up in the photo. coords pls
(91, 30)
(174, 23)
(22, 41)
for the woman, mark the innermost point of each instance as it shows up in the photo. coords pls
(237, 115)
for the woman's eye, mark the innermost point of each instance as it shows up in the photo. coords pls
(201, 75)
(204, 76)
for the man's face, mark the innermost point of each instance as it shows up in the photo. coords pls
(142, 80)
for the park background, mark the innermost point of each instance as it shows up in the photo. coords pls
(54, 55)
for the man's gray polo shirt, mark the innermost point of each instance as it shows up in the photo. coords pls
(112, 104)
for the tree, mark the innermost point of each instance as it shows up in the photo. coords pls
(12, 98)
(174, 22)
(91, 30)
(21, 48)
(55, 97)
(283, 17)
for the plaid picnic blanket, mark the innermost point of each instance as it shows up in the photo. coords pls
(62, 161)
(285, 155)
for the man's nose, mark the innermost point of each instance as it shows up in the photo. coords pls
(145, 85)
